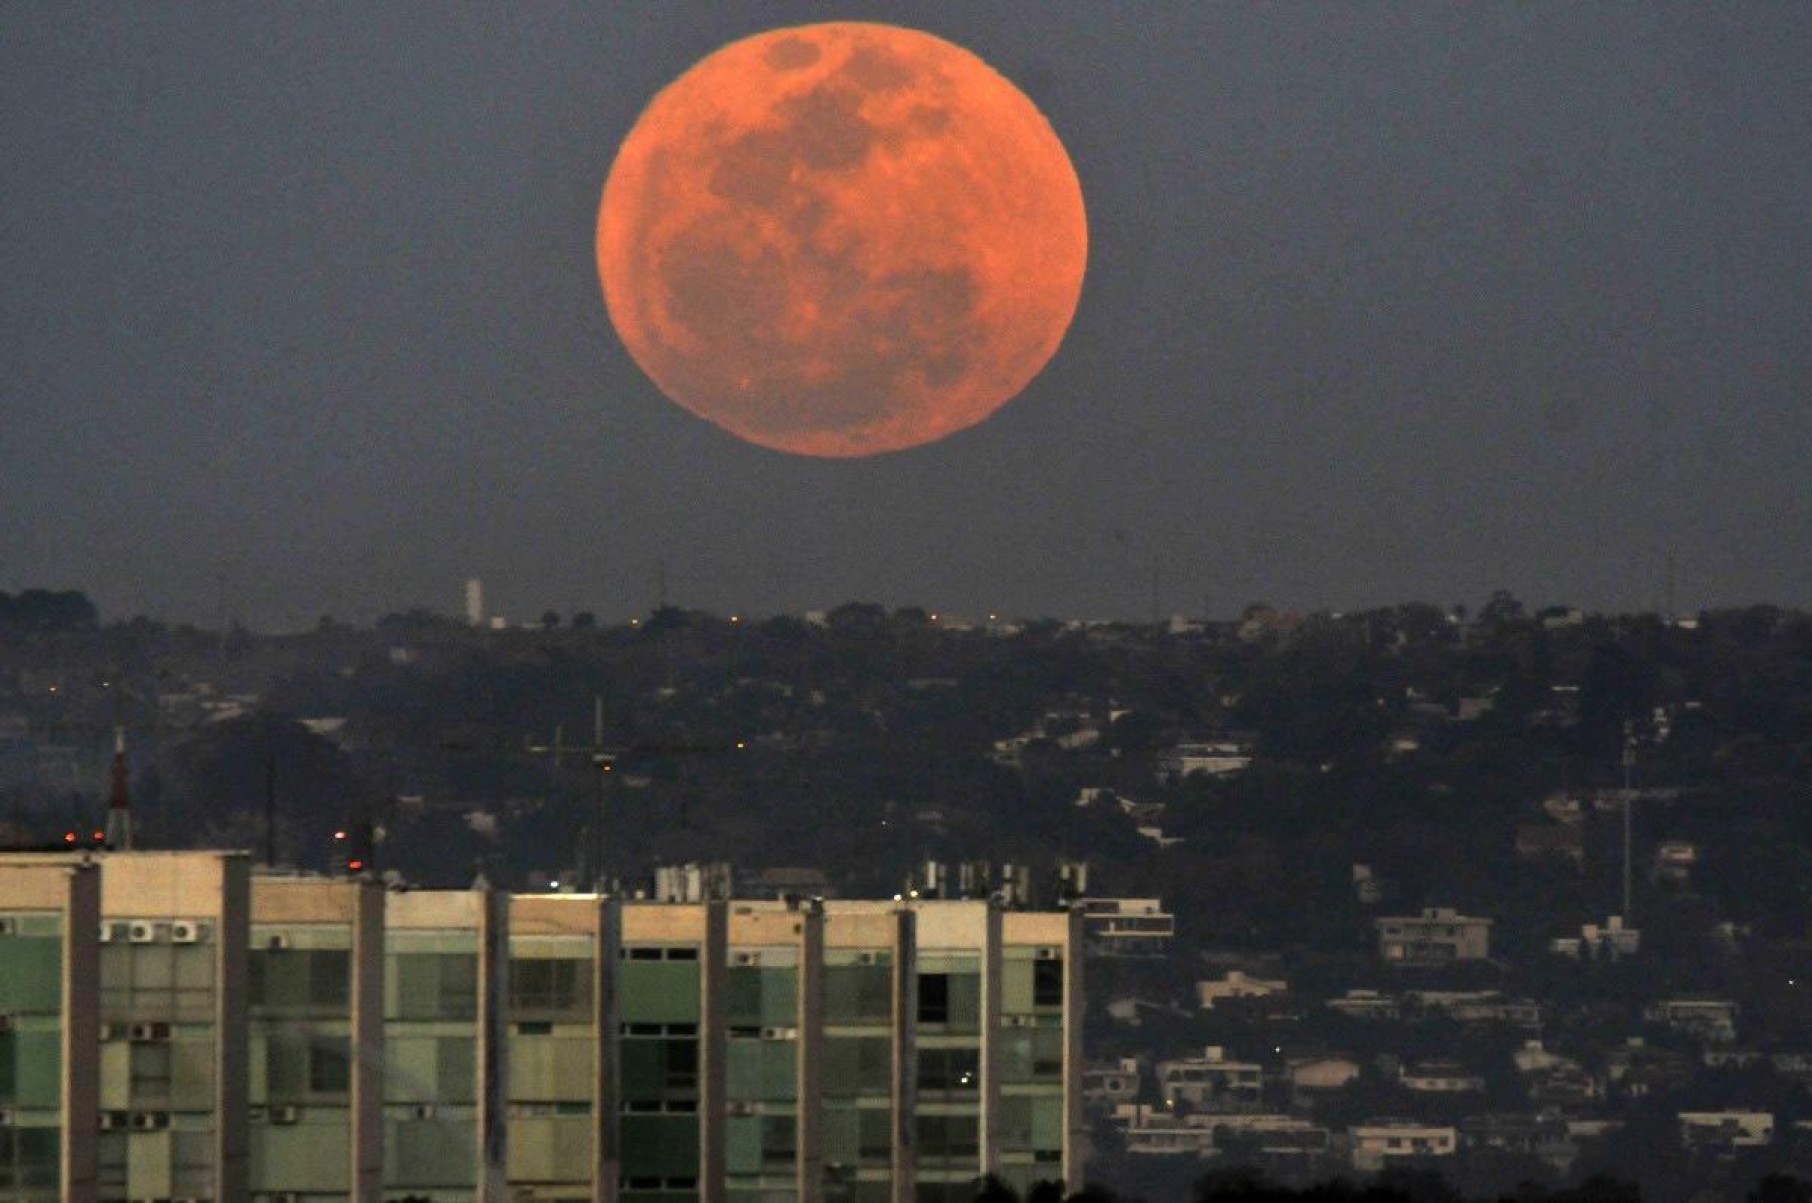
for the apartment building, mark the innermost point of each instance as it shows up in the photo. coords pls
(187, 1029)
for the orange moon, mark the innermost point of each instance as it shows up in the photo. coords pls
(842, 239)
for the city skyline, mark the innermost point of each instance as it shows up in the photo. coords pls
(1383, 304)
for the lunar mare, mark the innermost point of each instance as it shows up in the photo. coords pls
(842, 239)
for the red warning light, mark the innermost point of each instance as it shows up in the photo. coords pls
(98, 835)
(69, 837)
(355, 865)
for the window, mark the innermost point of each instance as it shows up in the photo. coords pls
(1047, 983)
(435, 985)
(560, 984)
(949, 1070)
(934, 998)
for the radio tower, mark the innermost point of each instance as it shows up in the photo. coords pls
(119, 799)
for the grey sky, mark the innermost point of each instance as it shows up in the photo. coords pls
(1386, 302)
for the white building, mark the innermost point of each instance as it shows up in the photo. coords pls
(1381, 1142)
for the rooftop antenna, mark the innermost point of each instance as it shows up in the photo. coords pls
(118, 833)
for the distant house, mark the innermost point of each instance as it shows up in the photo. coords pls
(1611, 942)
(1212, 758)
(1440, 1077)
(1159, 1132)
(1706, 1018)
(1212, 1082)
(1437, 936)
(1367, 1004)
(1112, 1083)
(1540, 1136)
(1236, 985)
(1537, 842)
(1381, 1142)
(1727, 1130)
(1127, 927)
(1317, 1076)
(1674, 861)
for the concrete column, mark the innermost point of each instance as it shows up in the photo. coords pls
(493, 1045)
(81, 1005)
(713, 1052)
(607, 1156)
(1075, 1122)
(368, 1044)
(991, 972)
(231, 1039)
(811, 1053)
(905, 1056)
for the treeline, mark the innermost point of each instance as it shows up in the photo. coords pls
(43, 610)
(1390, 1186)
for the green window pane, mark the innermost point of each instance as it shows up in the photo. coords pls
(858, 994)
(664, 1146)
(30, 973)
(659, 992)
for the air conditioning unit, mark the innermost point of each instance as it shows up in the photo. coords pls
(285, 1115)
(739, 1107)
(277, 943)
(1019, 1021)
(188, 932)
(150, 1121)
(1047, 954)
(868, 958)
(111, 1031)
(6, 1023)
(140, 932)
(746, 958)
(422, 1111)
(6, 1118)
(109, 932)
(9, 926)
(779, 1033)
(112, 1121)
(287, 1196)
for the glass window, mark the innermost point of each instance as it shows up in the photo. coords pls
(550, 985)
(934, 998)
(435, 985)
(949, 1070)
(857, 1065)
(1047, 983)
(330, 1065)
(858, 993)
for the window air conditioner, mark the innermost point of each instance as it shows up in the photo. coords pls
(422, 1111)
(186, 932)
(141, 932)
(284, 1115)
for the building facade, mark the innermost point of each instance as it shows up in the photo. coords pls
(177, 1027)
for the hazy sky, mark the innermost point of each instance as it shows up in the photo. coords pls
(1385, 302)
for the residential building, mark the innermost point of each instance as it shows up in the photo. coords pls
(1127, 927)
(315, 1037)
(1726, 1130)
(1381, 1142)
(1236, 985)
(49, 997)
(1706, 1018)
(1212, 1082)
(268, 1037)
(1435, 937)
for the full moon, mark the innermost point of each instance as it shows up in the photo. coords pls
(842, 239)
